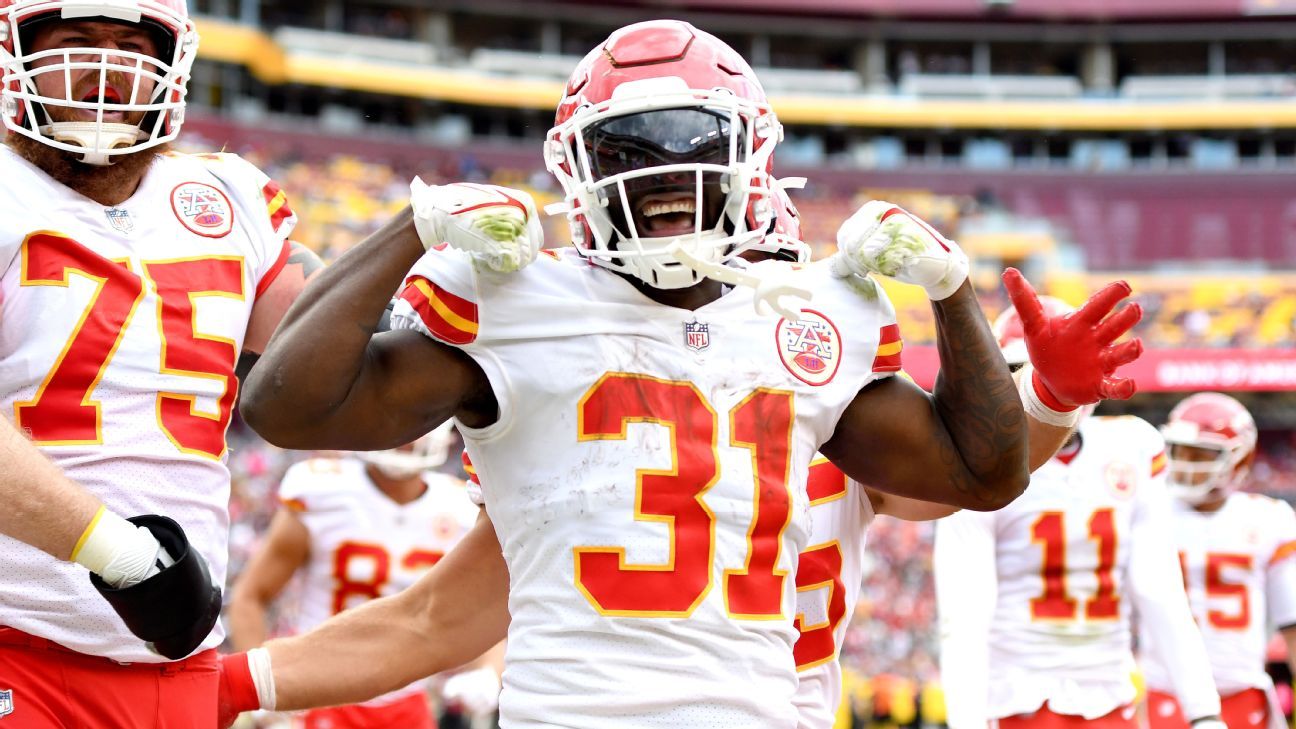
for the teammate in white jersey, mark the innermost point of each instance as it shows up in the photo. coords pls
(131, 281)
(640, 430)
(1035, 599)
(1236, 550)
(356, 528)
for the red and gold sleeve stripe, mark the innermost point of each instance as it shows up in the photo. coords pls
(824, 482)
(470, 469)
(276, 204)
(887, 358)
(296, 505)
(1284, 550)
(1159, 463)
(450, 318)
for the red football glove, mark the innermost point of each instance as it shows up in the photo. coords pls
(1073, 355)
(237, 692)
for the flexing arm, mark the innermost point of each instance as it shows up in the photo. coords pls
(284, 551)
(453, 614)
(964, 445)
(325, 379)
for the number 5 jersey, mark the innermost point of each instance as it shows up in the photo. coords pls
(119, 331)
(645, 478)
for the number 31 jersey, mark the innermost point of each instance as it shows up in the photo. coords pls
(641, 480)
(119, 331)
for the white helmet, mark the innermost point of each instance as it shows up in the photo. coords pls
(161, 110)
(424, 454)
(1210, 424)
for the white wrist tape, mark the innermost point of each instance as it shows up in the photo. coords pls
(1036, 408)
(262, 677)
(118, 551)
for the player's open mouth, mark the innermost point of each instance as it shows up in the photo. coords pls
(661, 216)
(110, 96)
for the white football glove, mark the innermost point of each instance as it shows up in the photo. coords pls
(498, 226)
(886, 239)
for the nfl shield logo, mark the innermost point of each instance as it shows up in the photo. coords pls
(6, 702)
(120, 219)
(697, 336)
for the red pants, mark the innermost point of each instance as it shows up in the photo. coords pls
(1046, 718)
(1246, 709)
(52, 687)
(408, 713)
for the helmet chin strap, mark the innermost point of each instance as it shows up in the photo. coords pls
(770, 288)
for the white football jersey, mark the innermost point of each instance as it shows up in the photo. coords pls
(1236, 564)
(644, 480)
(120, 331)
(1056, 575)
(364, 545)
(829, 576)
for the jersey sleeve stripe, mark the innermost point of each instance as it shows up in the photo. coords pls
(825, 482)
(1284, 550)
(449, 317)
(276, 204)
(296, 505)
(469, 468)
(887, 358)
(1159, 463)
(275, 270)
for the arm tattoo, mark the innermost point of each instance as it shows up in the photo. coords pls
(302, 256)
(976, 399)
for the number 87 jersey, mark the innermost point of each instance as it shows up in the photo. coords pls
(1036, 599)
(121, 327)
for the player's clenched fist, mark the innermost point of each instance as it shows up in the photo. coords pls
(498, 226)
(886, 239)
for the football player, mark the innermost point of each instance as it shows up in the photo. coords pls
(1035, 599)
(132, 281)
(640, 430)
(1236, 553)
(356, 527)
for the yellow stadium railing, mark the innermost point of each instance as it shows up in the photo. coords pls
(228, 42)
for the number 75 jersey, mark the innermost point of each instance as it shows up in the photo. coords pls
(645, 480)
(119, 331)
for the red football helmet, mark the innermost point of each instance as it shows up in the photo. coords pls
(1011, 335)
(783, 240)
(25, 109)
(1212, 444)
(426, 453)
(664, 135)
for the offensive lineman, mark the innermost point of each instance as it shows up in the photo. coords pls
(131, 281)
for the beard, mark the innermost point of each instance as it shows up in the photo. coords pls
(106, 184)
